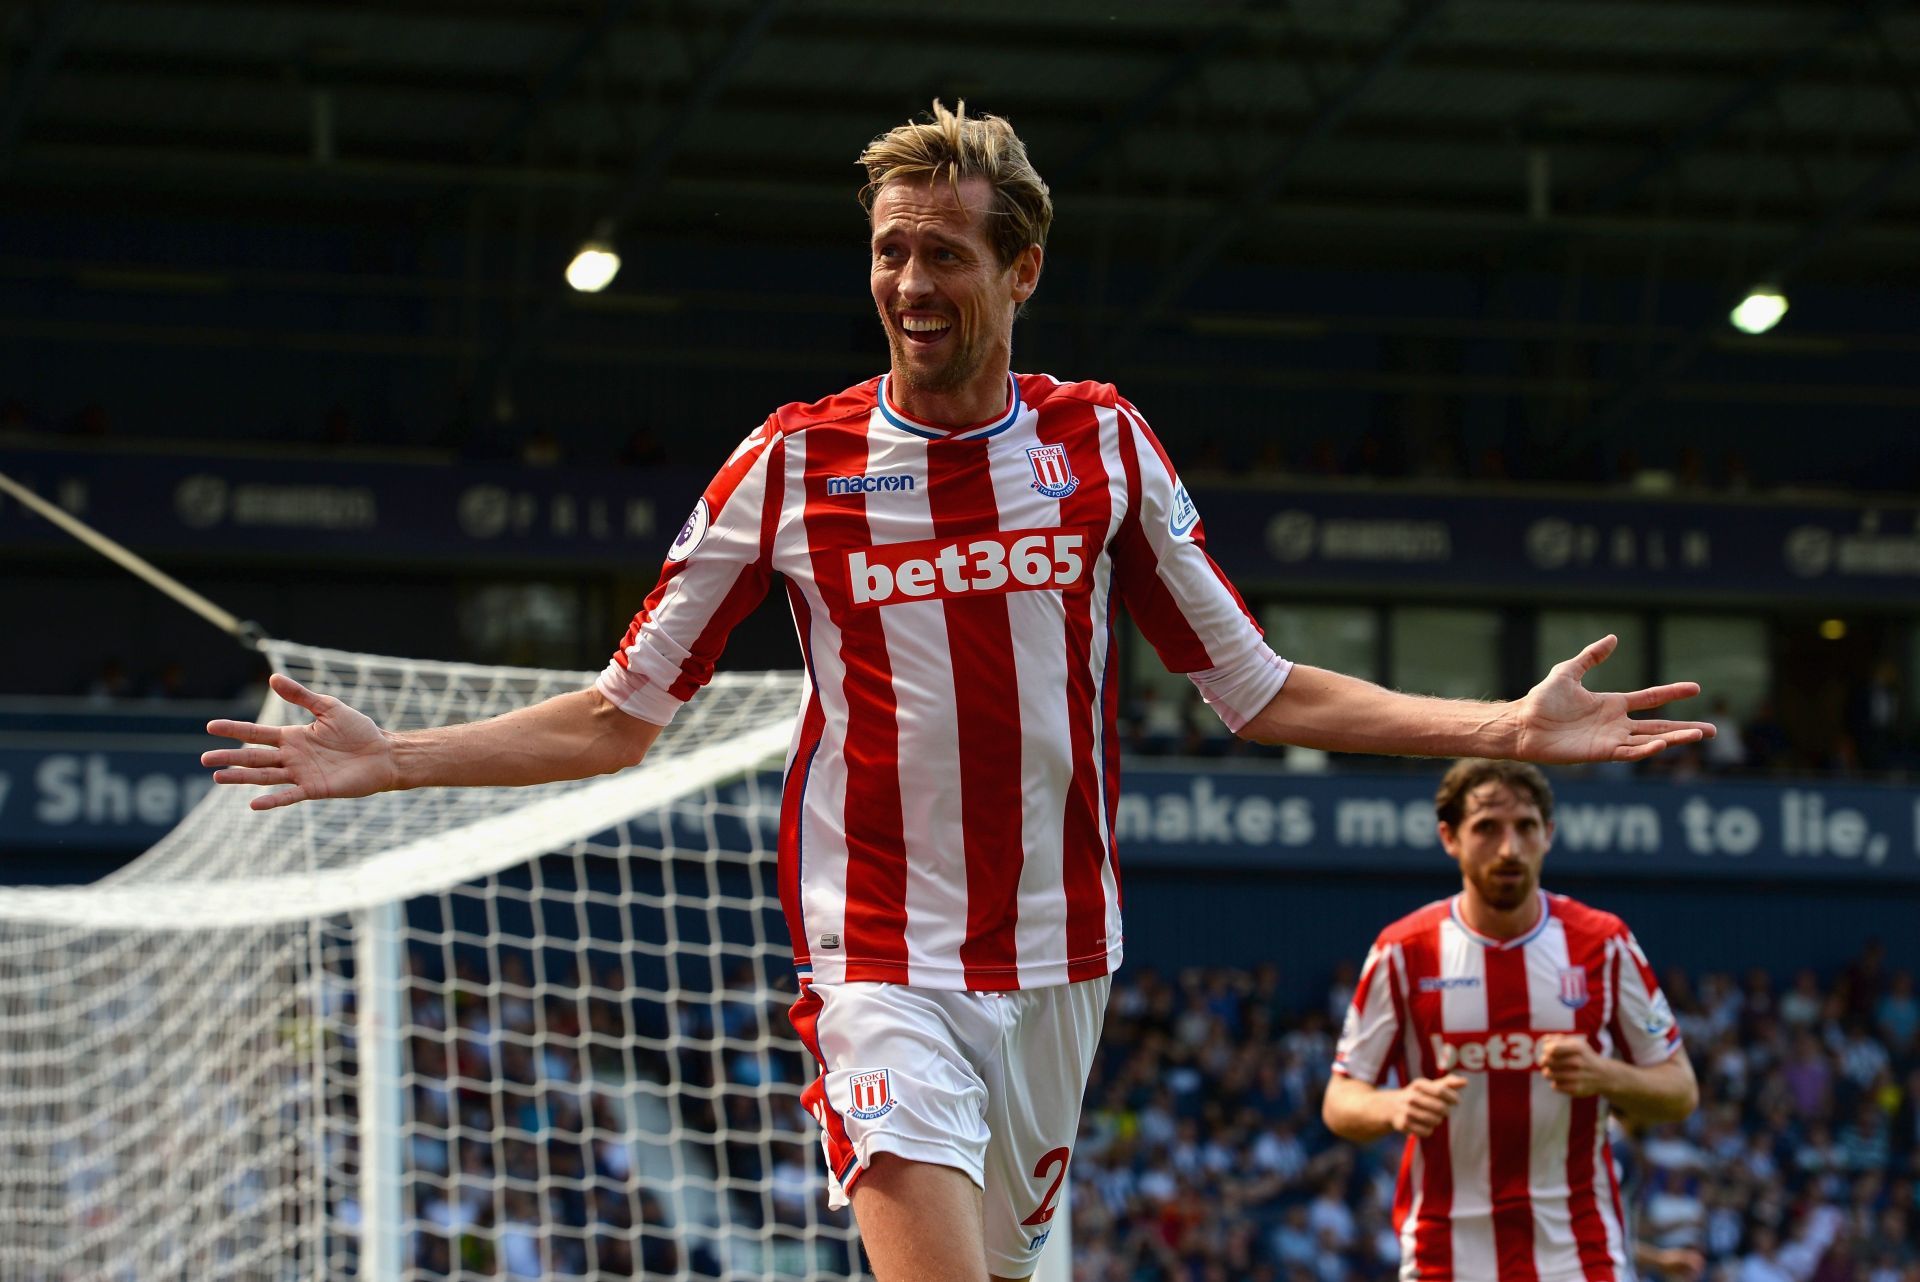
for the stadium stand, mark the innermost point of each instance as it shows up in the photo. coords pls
(1202, 1157)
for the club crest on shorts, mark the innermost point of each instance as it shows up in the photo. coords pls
(1052, 473)
(1573, 987)
(872, 1094)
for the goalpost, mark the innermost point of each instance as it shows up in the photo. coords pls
(492, 1032)
(504, 1033)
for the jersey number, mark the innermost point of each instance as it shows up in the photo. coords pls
(1056, 1157)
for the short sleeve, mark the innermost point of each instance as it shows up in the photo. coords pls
(1370, 1035)
(1176, 594)
(716, 571)
(1643, 1024)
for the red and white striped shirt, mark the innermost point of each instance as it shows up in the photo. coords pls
(1517, 1183)
(948, 813)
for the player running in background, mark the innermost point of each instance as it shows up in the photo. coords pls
(1515, 1019)
(952, 537)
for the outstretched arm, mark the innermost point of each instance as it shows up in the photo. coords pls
(342, 753)
(1558, 720)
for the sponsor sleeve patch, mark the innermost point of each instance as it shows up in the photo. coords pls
(1184, 516)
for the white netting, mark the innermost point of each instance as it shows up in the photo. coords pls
(496, 1033)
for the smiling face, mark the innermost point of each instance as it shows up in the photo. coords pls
(945, 299)
(1499, 843)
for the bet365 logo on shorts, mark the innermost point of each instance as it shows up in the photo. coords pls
(872, 1094)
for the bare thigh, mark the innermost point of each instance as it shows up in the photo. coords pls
(920, 1222)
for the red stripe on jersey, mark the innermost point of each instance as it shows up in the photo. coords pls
(747, 591)
(1589, 1230)
(986, 690)
(1110, 753)
(1137, 575)
(1089, 506)
(1433, 1230)
(1621, 1045)
(876, 897)
(1587, 948)
(793, 793)
(1510, 1119)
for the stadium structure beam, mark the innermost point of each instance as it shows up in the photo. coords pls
(559, 78)
(646, 175)
(1141, 107)
(1544, 237)
(1857, 206)
(1229, 222)
(62, 21)
(1729, 109)
(1560, 232)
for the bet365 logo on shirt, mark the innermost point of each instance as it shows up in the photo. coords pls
(1481, 1052)
(991, 564)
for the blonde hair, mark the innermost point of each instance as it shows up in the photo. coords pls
(950, 146)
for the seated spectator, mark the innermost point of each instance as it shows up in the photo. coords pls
(1897, 1017)
(1761, 1264)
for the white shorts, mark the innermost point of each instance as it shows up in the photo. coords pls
(990, 1083)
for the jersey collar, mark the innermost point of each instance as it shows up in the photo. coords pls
(1487, 941)
(975, 432)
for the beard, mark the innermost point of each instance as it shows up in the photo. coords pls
(1505, 894)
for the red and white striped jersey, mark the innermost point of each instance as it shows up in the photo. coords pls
(948, 813)
(1517, 1183)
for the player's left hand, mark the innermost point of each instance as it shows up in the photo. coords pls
(1572, 1065)
(1560, 720)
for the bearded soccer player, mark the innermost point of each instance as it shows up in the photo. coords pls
(952, 537)
(1516, 1019)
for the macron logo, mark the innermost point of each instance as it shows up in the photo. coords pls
(867, 484)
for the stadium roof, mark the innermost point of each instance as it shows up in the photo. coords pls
(1353, 127)
(1730, 140)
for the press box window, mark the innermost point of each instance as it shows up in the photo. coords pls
(1453, 653)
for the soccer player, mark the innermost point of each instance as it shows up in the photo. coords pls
(1515, 1019)
(952, 538)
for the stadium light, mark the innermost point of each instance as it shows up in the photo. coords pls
(1760, 310)
(593, 267)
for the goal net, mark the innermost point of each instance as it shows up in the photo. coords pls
(489, 1033)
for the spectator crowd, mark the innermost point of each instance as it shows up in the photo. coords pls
(1202, 1157)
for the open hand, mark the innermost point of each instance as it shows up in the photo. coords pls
(1425, 1102)
(341, 753)
(1562, 721)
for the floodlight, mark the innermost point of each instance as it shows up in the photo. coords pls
(593, 268)
(1760, 310)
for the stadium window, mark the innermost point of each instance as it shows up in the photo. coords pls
(529, 624)
(1561, 634)
(1345, 638)
(1450, 652)
(1726, 654)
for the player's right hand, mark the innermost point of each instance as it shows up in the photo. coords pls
(341, 753)
(1424, 1103)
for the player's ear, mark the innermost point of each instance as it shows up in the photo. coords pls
(1448, 841)
(1026, 272)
